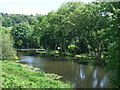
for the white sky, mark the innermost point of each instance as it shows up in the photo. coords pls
(31, 6)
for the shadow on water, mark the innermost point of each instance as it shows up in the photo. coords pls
(80, 75)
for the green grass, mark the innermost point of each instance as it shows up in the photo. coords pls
(16, 76)
(81, 56)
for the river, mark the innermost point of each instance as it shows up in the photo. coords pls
(80, 75)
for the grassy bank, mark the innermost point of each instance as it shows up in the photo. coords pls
(14, 75)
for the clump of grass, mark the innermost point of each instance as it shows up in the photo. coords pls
(81, 56)
(29, 67)
(54, 76)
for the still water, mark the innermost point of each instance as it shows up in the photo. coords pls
(80, 75)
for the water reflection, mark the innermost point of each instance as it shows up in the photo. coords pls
(81, 76)
(95, 83)
(95, 74)
(103, 81)
(27, 59)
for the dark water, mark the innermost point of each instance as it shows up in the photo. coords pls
(81, 76)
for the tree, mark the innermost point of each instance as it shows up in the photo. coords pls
(113, 52)
(21, 34)
(8, 52)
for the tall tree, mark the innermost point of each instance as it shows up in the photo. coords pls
(6, 46)
(113, 53)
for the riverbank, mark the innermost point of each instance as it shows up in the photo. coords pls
(14, 75)
(54, 52)
(81, 58)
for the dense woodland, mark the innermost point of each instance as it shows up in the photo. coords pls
(91, 29)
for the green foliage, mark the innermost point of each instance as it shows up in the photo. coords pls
(15, 76)
(78, 28)
(72, 48)
(9, 20)
(6, 48)
(22, 34)
(81, 55)
(113, 52)
(55, 51)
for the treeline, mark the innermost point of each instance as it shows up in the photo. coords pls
(84, 28)
(75, 27)
(9, 20)
(91, 29)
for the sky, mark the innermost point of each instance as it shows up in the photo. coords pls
(31, 6)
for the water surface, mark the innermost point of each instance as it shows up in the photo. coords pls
(80, 75)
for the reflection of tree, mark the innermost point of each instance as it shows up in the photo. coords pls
(89, 76)
(96, 77)
(93, 76)
(99, 78)
(82, 74)
(95, 82)
(103, 81)
(98, 85)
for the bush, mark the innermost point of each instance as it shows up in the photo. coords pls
(72, 48)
